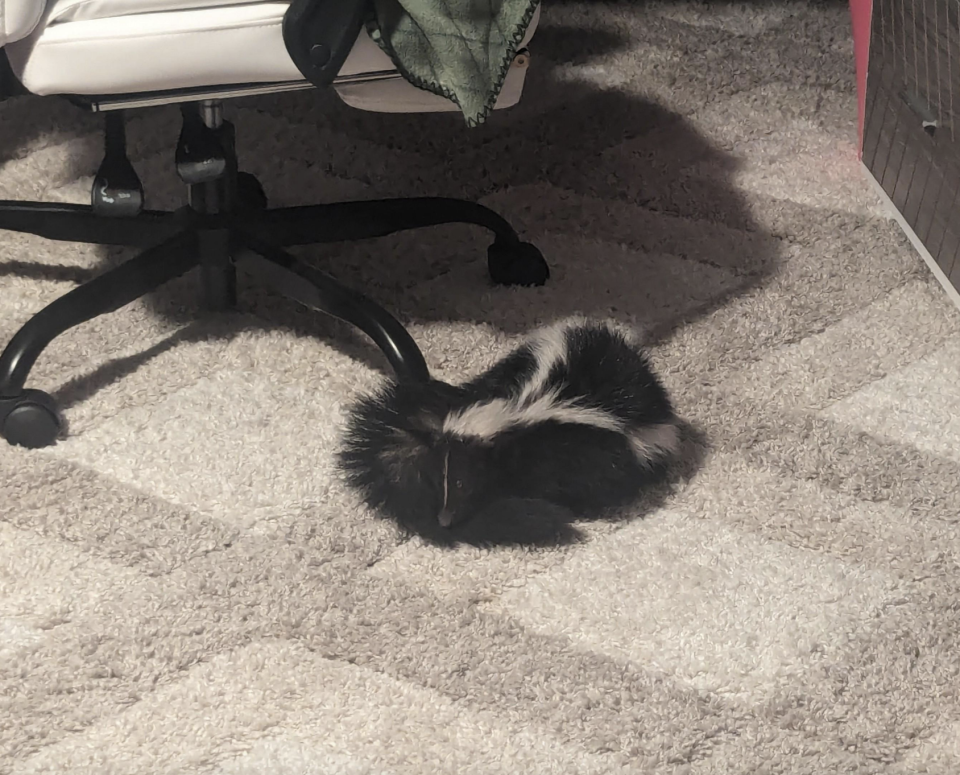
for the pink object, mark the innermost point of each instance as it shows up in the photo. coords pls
(860, 13)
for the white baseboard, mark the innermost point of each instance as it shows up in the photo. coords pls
(914, 239)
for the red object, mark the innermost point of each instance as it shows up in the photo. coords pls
(860, 13)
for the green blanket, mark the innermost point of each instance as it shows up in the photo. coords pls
(458, 49)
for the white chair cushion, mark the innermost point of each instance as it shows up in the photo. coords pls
(18, 18)
(81, 10)
(227, 44)
(91, 47)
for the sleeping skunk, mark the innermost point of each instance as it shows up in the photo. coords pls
(569, 425)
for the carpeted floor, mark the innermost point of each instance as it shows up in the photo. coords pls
(185, 587)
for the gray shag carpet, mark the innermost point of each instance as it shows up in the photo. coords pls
(186, 587)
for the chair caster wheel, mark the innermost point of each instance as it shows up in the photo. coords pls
(250, 193)
(30, 420)
(518, 263)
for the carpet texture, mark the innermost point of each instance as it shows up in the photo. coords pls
(186, 586)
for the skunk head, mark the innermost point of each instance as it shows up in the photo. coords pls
(468, 481)
(398, 453)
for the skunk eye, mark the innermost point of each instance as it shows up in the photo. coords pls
(459, 484)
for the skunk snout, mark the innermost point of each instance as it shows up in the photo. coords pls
(445, 518)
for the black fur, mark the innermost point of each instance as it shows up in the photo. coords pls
(524, 484)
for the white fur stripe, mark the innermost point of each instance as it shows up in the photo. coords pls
(536, 404)
(484, 421)
(549, 347)
(444, 516)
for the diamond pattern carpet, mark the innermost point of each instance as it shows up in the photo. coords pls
(187, 587)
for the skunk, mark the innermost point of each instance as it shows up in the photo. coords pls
(569, 425)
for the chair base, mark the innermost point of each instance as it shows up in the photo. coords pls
(226, 224)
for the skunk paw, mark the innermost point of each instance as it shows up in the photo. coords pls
(517, 522)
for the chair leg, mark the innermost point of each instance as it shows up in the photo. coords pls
(511, 262)
(78, 223)
(290, 277)
(29, 417)
(218, 273)
(346, 221)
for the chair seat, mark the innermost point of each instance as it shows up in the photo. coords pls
(121, 47)
(85, 10)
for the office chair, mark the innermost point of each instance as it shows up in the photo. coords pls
(112, 55)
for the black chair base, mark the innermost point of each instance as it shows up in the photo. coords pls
(226, 224)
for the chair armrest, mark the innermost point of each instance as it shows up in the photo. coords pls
(319, 35)
(18, 18)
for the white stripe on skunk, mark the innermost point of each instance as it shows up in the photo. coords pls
(570, 424)
(537, 402)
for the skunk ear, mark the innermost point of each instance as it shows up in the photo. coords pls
(407, 443)
(427, 422)
(405, 456)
